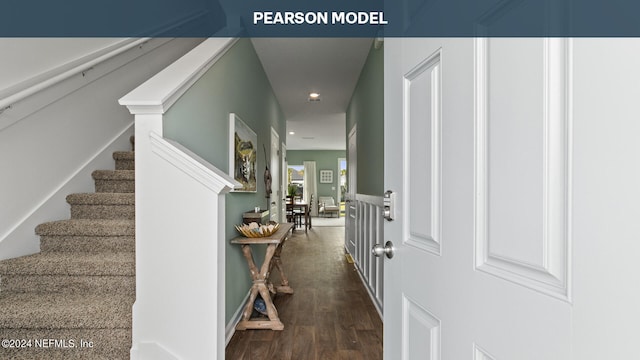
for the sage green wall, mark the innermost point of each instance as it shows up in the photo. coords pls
(325, 160)
(366, 109)
(200, 121)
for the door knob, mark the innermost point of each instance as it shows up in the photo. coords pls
(388, 249)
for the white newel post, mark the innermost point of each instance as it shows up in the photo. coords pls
(180, 225)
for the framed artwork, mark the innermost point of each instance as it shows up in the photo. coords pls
(326, 176)
(243, 154)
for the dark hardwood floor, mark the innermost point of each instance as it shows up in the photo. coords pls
(329, 316)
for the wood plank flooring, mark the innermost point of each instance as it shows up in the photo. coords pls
(330, 315)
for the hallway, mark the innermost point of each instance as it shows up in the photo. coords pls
(330, 315)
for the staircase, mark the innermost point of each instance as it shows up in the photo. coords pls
(73, 300)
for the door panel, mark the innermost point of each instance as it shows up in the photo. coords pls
(522, 169)
(421, 124)
(422, 332)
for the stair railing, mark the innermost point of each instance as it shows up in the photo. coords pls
(180, 224)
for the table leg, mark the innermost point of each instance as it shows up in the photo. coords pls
(277, 262)
(261, 286)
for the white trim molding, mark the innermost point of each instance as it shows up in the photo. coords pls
(191, 164)
(160, 92)
(481, 354)
(235, 319)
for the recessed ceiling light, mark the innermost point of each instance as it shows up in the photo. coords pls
(314, 97)
(292, 132)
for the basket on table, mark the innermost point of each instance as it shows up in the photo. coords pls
(255, 230)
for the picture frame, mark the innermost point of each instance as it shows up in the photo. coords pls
(243, 154)
(326, 176)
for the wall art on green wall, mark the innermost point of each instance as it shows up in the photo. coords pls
(326, 176)
(243, 143)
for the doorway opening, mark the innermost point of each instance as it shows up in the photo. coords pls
(342, 184)
(295, 180)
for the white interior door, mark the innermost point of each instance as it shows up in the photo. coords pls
(284, 182)
(477, 152)
(350, 206)
(276, 196)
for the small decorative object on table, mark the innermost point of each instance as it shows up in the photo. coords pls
(260, 306)
(255, 230)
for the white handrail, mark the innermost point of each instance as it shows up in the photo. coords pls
(160, 92)
(120, 47)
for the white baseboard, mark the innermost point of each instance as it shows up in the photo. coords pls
(235, 319)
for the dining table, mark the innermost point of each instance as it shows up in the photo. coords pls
(301, 207)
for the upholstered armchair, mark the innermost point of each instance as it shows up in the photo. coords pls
(327, 206)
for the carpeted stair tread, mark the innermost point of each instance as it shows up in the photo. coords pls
(69, 284)
(67, 263)
(94, 244)
(101, 199)
(93, 227)
(103, 205)
(65, 311)
(113, 174)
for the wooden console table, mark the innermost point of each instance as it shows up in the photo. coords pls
(261, 284)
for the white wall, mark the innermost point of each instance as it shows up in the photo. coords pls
(27, 58)
(51, 141)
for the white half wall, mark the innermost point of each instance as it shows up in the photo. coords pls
(52, 140)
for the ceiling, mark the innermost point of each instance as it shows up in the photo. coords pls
(298, 66)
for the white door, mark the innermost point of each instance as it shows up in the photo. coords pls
(476, 149)
(515, 168)
(276, 196)
(350, 206)
(284, 182)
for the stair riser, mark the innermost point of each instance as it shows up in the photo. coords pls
(91, 244)
(109, 212)
(67, 284)
(125, 164)
(108, 344)
(115, 186)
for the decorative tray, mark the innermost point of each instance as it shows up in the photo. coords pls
(255, 230)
